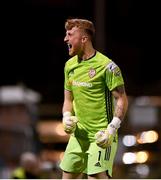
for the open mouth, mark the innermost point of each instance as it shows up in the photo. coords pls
(69, 46)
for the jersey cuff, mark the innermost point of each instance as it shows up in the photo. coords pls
(119, 84)
(68, 89)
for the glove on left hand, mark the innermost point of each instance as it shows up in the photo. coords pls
(104, 138)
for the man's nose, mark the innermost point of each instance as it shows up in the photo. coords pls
(65, 39)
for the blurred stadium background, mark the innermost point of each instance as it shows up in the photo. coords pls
(32, 71)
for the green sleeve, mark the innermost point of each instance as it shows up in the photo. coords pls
(67, 83)
(113, 76)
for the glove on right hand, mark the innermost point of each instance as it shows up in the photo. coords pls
(69, 122)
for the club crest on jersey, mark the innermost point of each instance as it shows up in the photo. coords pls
(92, 72)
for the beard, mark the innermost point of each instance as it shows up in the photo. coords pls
(75, 50)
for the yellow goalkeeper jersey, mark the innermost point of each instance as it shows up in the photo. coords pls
(91, 82)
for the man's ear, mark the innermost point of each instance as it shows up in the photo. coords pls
(84, 39)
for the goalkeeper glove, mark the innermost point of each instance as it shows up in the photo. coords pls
(69, 122)
(104, 138)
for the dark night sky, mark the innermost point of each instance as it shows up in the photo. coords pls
(33, 51)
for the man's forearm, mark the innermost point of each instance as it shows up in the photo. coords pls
(121, 107)
(67, 106)
(68, 102)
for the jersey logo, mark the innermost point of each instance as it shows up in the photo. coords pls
(81, 84)
(112, 67)
(98, 164)
(92, 72)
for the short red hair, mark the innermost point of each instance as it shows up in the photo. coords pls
(83, 24)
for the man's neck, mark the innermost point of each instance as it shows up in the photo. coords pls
(87, 54)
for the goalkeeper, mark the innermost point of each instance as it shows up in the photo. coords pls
(92, 83)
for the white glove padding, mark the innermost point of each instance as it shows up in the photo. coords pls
(104, 138)
(69, 122)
